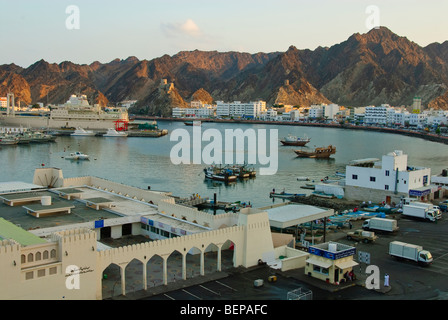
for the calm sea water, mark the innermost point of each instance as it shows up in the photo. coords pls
(143, 162)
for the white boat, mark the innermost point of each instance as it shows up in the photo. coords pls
(76, 112)
(8, 140)
(115, 133)
(303, 179)
(82, 132)
(78, 156)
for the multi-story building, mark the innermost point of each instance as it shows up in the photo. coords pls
(378, 114)
(316, 111)
(251, 110)
(387, 180)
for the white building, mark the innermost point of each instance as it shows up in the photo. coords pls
(207, 111)
(251, 110)
(269, 115)
(378, 114)
(386, 180)
(316, 111)
(331, 111)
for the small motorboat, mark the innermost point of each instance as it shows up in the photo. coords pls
(303, 179)
(115, 133)
(77, 156)
(291, 140)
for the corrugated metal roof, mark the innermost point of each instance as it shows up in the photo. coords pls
(9, 230)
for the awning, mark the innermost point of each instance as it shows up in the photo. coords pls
(346, 264)
(320, 263)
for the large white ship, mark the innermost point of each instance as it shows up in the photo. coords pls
(76, 112)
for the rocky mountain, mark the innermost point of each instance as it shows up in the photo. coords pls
(367, 69)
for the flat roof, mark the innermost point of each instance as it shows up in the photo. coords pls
(17, 186)
(69, 191)
(294, 214)
(9, 230)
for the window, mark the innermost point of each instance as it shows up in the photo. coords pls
(53, 270)
(355, 177)
(387, 173)
(29, 275)
(386, 187)
(41, 273)
(372, 179)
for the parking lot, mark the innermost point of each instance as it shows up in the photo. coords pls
(408, 280)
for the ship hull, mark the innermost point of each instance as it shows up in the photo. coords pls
(46, 122)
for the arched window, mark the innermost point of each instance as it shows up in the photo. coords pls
(23, 258)
(53, 253)
(30, 257)
(38, 256)
(45, 254)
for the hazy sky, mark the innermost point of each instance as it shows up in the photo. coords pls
(107, 29)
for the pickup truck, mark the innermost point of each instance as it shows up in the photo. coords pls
(444, 206)
(361, 235)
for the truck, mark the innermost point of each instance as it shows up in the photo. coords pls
(411, 252)
(380, 224)
(422, 210)
(361, 235)
(443, 205)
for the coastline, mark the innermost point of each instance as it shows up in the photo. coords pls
(417, 134)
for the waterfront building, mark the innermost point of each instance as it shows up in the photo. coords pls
(206, 111)
(237, 109)
(331, 262)
(269, 115)
(387, 180)
(331, 111)
(378, 115)
(316, 112)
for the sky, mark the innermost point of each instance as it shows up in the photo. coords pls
(84, 31)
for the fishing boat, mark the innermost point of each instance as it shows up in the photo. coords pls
(193, 123)
(324, 152)
(284, 195)
(81, 132)
(115, 133)
(291, 140)
(78, 156)
(8, 140)
(219, 174)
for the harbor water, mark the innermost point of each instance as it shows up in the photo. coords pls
(146, 162)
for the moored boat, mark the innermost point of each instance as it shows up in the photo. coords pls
(115, 133)
(8, 140)
(291, 140)
(324, 152)
(219, 174)
(284, 195)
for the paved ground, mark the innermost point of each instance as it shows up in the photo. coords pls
(408, 280)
